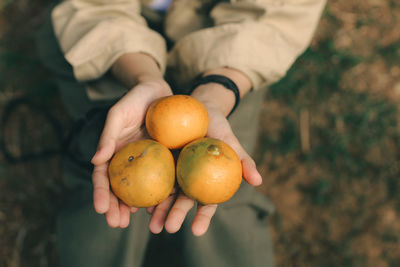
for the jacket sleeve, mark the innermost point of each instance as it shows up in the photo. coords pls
(262, 38)
(94, 33)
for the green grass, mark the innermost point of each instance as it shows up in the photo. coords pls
(355, 141)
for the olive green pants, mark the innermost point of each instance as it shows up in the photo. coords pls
(238, 233)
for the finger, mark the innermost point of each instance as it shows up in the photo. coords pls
(150, 210)
(249, 169)
(107, 143)
(250, 172)
(101, 189)
(160, 212)
(202, 219)
(113, 215)
(125, 215)
(178, 213)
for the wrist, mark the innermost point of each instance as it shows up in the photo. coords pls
(132, 68)
(222, 88)
(242, 82)
(158, 84)
(215, 96)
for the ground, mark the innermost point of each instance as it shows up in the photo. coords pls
(329, 147)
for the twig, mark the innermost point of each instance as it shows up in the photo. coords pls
(305, 130)
(16, 258)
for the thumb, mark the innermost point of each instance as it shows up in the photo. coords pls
(104, 153)
(250, 172)
(108, 140)
(249, 169)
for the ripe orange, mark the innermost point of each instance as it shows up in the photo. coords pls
(142, 173)
(176, 120)
(209, 171)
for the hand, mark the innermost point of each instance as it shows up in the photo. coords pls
(218, 128)
(124, 124)
(219, 103)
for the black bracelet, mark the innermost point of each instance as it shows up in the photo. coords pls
(224, 81)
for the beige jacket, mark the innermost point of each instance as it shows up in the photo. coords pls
(262, 38)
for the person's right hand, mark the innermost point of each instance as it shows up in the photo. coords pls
(124, 124)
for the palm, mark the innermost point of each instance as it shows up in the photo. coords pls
(124, 124)
(130, 134)
(218, 128)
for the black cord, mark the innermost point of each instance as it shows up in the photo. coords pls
(224, 81)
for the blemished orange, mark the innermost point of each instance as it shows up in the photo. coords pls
(176, 120)
(209, 171)
(142, 173)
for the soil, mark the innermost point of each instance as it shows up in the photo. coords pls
(328, 147)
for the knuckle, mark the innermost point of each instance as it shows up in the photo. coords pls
(162, 209)
(113, 111)
(98, 172)
(204, 217)
(179, 210)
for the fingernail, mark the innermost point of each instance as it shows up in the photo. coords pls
(258, 179)
(199, 231)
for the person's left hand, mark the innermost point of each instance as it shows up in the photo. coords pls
(175, 208)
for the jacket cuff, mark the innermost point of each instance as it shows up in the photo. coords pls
(93, 55)
(240, 46)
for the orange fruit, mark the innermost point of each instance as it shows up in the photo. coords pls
(142, 173)
(176, 120)
(209, 171)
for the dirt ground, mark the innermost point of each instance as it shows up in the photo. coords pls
(329, 147)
